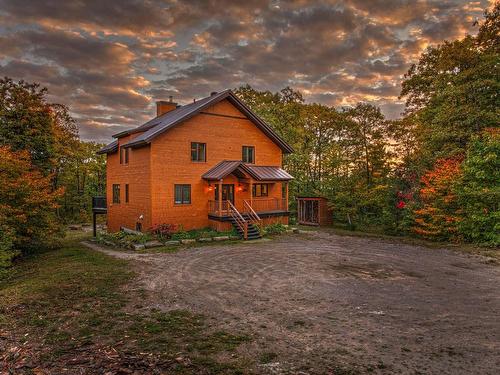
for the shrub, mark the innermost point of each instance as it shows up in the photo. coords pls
(276, 228)
(163, 231)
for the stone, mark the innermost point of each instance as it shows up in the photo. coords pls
(172, 242)
(153, 243)
(234, 237)
(138, 246)
(221, 238)
(188, 241)
(205, 239)
(289, 231)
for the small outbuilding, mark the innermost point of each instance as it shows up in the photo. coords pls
(313, 211)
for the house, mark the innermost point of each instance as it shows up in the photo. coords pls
(211, 163)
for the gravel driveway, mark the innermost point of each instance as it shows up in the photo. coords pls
(322, 303)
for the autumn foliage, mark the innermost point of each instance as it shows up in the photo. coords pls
(439, 215)
(27, 204)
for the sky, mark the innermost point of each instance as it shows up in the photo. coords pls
(110, 60)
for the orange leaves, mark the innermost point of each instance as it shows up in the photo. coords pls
(27, 200)
(439, 215)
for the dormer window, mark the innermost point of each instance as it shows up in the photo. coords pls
(124, 155)
(248, 154)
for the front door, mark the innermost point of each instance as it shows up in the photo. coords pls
(227, 192)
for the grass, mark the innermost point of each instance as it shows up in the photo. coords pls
(75, 302)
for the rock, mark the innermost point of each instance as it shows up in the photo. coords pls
(234, 237)
(138, 246)
(172, 242)
(205, 239)
(289, 231)
(221, 238)
(188, 241)
(151, 244)
(130, 231)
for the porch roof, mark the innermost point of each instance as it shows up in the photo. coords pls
(259, 173)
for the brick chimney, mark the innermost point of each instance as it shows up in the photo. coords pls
(162, 106)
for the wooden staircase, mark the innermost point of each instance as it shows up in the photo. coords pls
(246, 224)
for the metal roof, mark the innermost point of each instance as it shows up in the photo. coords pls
(259, 173)
(160, 124)
(221, 170)
(109, 149)
(264, 173)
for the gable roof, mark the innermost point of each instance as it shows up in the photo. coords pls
(257, 172)
(109, 149)
(160, 124)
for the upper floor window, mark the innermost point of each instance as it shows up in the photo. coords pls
(248, 154)
(198, 151)
(116, 193)
(260, 190)
(126, 193)
(124, 155)
(182, 194)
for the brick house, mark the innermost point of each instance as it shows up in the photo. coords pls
(211, 163)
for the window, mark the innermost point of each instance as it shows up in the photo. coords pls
(116, 193)
(182, 194)
(248, 154)
(124, 155)
(126, 193)
(198, 151)
(259, 190)
(138, 226)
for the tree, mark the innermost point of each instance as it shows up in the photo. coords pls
(27, 204)
(83, 176)
(478, 190)
(28, 122)
(440, 212)
(453, 91)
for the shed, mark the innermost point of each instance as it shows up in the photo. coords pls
(313, 211)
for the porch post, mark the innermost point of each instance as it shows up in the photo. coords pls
(286, 196)
(220, 197)
(251, 192)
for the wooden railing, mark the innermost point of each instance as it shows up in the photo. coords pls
(269, 204)
(239, 220)
(215, 209)
(253, 209)
(252, 215)
(99, 204)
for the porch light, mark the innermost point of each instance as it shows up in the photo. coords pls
(210, 187)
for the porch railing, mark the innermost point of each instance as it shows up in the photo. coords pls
(238, 219)
(268, 204)
(258, 205)
(252, 215)
(215, 209)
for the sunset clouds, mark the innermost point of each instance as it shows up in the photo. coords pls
(110, 60)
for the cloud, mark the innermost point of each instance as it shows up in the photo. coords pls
(110, 60)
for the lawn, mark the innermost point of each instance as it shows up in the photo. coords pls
(73, 308)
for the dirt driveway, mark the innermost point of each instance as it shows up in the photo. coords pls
(323, 303)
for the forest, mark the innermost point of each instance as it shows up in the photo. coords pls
(434, 173)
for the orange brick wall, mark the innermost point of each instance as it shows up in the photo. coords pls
(171, 162)
(137, 174)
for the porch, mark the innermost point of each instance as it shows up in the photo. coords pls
(263, 207)
(245, 195)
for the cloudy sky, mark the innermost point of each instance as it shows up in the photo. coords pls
(109, 60)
